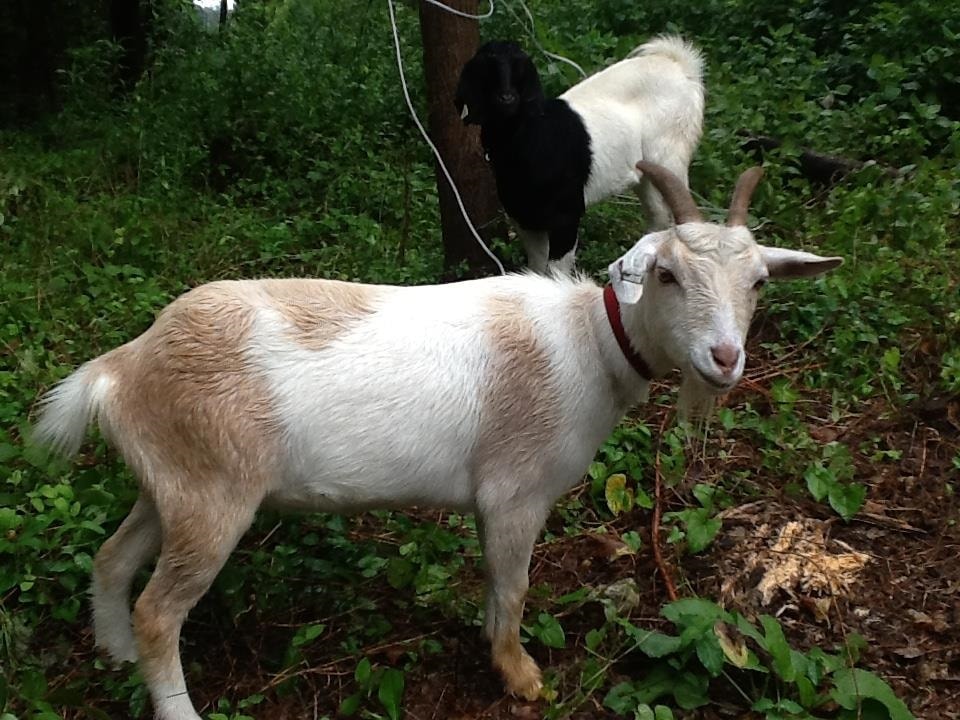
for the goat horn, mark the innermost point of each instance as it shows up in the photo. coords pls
(674, 192)
(740, 202)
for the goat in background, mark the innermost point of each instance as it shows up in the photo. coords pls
(553, 158)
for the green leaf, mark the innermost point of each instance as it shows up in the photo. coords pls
(655, 644)
(619, 496)
(308, 634)
(690, 691)
(819, 481)
(642, 499)
(662, 712)
(701, 529)
(8, 452)
(749, 629)
(778, 648)
(350, 704)
(363, 672)
(704, 494)
(576, 596)
(594, 637)
(710, 654)
(693, 611)
(597, 471)
(9, 520)
(660, 681)
(632, 540)
(549, 631)
(806, 691)
(390, 691)
(400, 572)
(853, 686)
(621, 698)
(847, 499)
(790, 706)
(644, 712)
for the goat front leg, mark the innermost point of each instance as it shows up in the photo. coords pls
(508, 538)
(537, 245)
(563, 248)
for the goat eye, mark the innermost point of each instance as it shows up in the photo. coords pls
(666, 277)
(759, 283)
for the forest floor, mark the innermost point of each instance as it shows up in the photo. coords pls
(890, 575)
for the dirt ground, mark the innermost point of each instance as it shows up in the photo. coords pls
(891, 574)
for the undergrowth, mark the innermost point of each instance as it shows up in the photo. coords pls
(281, 147)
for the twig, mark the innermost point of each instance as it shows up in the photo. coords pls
(328, 668)
(655, 528)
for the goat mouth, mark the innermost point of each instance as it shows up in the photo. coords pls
(714, 383)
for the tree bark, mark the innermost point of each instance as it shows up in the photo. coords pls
(448, 42)
(130, 26)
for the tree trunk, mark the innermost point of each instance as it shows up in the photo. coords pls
(130, 26)
(448, 42)
(223, 14)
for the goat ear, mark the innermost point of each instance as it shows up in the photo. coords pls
(629, 271)
(788, 264)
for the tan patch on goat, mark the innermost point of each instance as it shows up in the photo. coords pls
(321, 310)
(519, 410)
(188, 404)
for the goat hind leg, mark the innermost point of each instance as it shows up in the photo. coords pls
(135, 542)
(658, 215)
(196, 543)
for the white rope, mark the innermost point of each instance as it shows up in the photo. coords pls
(532, 30)
(426, 136)
(462, 14)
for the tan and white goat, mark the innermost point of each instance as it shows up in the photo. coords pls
(489, 396)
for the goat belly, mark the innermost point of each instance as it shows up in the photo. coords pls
(541, 165)
(384, 416)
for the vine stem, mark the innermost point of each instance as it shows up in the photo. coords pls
(664, 570)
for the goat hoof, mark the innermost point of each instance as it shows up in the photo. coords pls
(116, 657)
(526, 681)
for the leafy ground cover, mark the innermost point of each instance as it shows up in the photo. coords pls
(810, 529)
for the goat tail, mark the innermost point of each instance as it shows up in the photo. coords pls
(674, 47)
(67, 409)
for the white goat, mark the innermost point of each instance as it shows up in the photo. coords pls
(554, 157)
(488, 396)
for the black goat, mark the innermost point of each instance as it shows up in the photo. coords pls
(553, 157)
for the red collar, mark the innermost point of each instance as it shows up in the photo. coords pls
(612, 306)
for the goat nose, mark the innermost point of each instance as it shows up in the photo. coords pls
(725, 356)
(508, 98)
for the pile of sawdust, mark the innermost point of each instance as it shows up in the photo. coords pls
(796, 561)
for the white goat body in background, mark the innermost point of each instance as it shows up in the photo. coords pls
(489, 396)
(554, 157)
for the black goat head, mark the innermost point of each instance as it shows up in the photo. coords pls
(498, 82)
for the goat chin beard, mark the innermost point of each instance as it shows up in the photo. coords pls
(695, 400)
